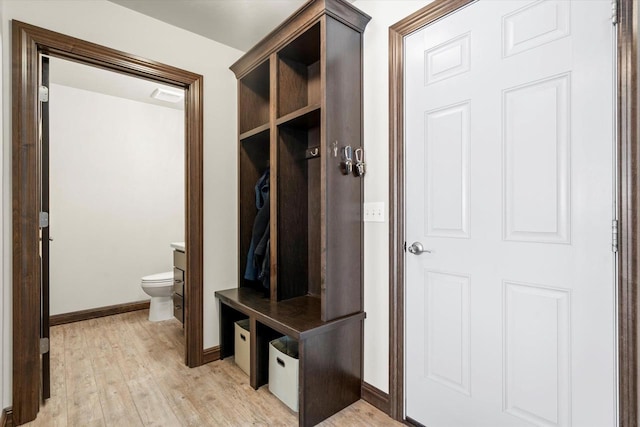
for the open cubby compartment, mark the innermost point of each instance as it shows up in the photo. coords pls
(264, 335)
(227, 333)
(253, 98)
(299, 72)
(299, 204)
(254, 161)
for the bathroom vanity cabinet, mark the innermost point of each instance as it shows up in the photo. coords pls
(179, 268)
(299, 107)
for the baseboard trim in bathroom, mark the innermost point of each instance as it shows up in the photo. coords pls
(211, 354)
(7, 417)
(375, 397)
(92, 313)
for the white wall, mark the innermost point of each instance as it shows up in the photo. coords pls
(117, 196)
(108, 24)
(376, 182)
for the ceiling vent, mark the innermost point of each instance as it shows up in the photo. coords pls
(168, 95)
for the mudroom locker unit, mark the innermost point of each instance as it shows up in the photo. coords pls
(300, 117)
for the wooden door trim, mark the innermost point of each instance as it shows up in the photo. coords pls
(28, 42)
(628, 164)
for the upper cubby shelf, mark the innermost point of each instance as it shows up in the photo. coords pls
(299, 82)
(256, 131)
(308, 116)
(253, 94)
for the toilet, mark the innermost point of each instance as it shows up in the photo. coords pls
(160, 288)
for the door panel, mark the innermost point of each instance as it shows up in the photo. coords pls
(510, 316)
(44, 232)
(448, 359)
(537, 372)
(536, 161)
(447, 178)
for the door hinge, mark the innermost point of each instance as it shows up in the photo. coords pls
(614, 235)
(44, 345)
(614, 12)
(43, 219)
(43, 94)
(404, 246)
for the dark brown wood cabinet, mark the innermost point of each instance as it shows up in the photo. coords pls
(299, 106)
(179, 268)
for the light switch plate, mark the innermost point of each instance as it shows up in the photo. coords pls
(374, 212)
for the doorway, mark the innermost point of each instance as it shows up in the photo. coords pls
(29, 43)
(626, 213)
(116, 183)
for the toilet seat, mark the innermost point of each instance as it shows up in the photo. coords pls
(160, 279)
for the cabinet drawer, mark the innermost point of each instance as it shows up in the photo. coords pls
(180, 260)
(178, 281)
(178, 307)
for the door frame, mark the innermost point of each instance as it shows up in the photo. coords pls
(628, 208)
(28, 42)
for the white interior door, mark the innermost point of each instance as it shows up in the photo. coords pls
(510, 319)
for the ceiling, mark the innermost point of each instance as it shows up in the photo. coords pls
(73, 74)
(236, 23)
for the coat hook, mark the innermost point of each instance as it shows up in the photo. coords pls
(311, 153)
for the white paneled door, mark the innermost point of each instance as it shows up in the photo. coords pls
(510, 308)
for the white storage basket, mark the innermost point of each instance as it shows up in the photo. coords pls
(242, 344)
(283, 371)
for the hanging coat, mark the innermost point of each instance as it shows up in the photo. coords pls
(259, 248)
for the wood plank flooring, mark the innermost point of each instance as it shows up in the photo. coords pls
(123, 370)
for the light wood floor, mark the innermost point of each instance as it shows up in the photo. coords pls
(126, 371)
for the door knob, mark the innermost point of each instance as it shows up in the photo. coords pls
(416, 248)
